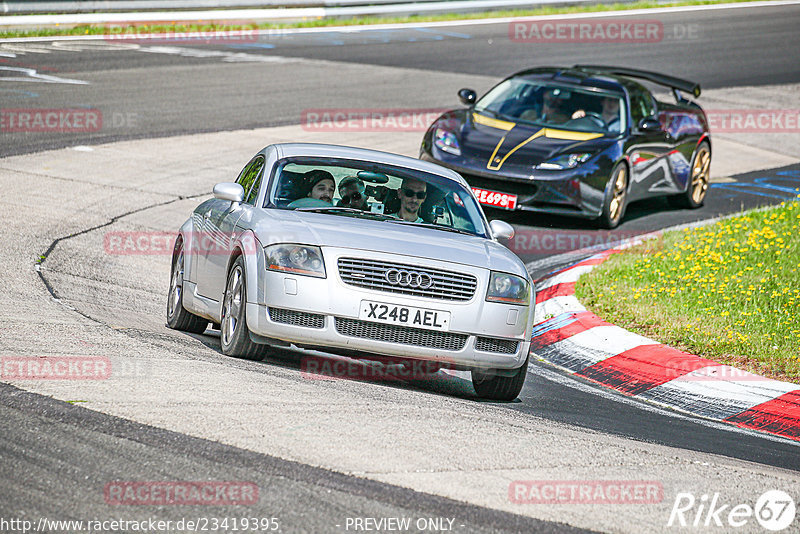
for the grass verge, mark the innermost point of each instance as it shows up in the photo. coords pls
(201, 26)
(729, 291)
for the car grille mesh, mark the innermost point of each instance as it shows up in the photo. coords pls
(296, 318)
(400, 334)
(371, 274)
(490, 344)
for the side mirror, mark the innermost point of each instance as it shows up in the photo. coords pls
(649, 124)
(501, 229)
(229, 191)
(467, 96)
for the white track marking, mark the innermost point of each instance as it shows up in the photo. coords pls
(31, 75)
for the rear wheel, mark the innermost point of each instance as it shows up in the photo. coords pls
(178, 318)
(696, 189)
(234, 334)
(490, 384)
(615, 199)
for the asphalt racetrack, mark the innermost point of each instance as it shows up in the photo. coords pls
(179, 117)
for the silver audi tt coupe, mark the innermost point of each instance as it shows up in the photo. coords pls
(356, 252)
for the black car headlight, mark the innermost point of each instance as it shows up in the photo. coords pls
(446, 141)
(295, 259)
(565, 161)
(508, 288)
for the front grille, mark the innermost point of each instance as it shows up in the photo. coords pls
(371, 274)
(490, 344)
(502, 185)
(400, 334)
(296, 318)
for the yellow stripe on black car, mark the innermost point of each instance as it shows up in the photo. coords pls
(496, 161)
(493, 123)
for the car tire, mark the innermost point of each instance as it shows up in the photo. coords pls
(491, 385)
(234, 334)
(697, 185)
(178, 318)
(615, 198)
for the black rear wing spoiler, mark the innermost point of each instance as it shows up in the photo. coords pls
(655, 77)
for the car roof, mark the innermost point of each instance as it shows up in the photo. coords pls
(578, 77)
(363, 154)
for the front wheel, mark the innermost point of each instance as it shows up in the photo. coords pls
(696, 189)
(234, 334)
(491, 384)
(178, 318)
(615, 198)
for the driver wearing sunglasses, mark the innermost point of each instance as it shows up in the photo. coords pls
(352, 189)
(412, 194)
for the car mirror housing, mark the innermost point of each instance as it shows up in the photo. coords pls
(467, 96)
(649, 124)
(501, 229)
(229, 191)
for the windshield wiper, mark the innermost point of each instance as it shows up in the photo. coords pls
(329, 208)
(495, 114)
(435, 226)
(342, 209)
(488, 111)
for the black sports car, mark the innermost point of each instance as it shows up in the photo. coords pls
(582, 141)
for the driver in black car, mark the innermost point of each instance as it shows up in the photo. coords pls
(553, 109)
(610, 114)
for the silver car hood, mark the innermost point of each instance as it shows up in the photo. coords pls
(286, 226)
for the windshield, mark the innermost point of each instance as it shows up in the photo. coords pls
(378, 192)
(553, 105)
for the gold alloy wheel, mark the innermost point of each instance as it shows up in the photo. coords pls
(620, 190)
(702, 164)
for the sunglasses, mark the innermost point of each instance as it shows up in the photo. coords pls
(353, 197)
(410, 193)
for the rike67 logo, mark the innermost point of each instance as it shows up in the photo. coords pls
(774, 511)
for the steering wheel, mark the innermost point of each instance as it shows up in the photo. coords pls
(596, 117)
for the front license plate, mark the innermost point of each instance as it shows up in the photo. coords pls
(404, 315)
(495, 198)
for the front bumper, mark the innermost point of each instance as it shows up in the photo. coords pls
(324, 313)
(558, 192)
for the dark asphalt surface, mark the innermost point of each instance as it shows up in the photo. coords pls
(166, 92)
(58, 459)
(177, 87)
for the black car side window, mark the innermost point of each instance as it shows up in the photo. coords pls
(250, 179)
(642, 105)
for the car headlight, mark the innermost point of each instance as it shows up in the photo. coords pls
(508, 288)
(446, 141)
(565, 161)
(296, 259)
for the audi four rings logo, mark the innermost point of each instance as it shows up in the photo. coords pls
(411, 279)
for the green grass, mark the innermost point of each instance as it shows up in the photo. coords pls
(729, 291)
(323, 22)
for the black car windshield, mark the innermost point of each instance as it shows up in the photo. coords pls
(555, 106)
(378, 192)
